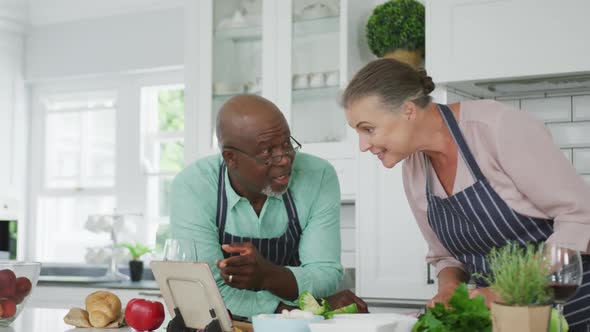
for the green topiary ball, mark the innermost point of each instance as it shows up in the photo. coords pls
(396, 24)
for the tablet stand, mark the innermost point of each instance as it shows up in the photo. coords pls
(177, 323)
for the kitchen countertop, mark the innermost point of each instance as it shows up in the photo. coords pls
(141, 285)
(51, 320)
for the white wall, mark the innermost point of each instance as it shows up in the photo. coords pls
(135, 41)
(59, 11)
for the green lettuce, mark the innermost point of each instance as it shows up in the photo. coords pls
(307, 302)
(462, 315)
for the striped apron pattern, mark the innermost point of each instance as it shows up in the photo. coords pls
(282, 250)
(471, 222)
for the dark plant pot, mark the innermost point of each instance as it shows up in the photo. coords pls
(135, 270)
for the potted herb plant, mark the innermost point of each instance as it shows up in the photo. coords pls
(519, 276)
(396, 30)
(135, 264)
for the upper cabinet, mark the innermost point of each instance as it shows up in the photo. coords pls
(13, 111)
(469, 40)
(297, 53)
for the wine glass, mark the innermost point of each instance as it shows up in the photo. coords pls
(564, 273)
(180, 250)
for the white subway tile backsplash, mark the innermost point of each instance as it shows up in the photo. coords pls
(511, 102)
(568, 154)
(453, 97)
(554, 109)
(573, 134)
(582, 160)
(581, 107)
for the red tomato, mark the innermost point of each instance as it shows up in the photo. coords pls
(7, 283)
(144, 315)
(23, 287)
(8, 308)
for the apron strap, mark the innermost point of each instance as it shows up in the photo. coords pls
(221, 202)
(451, 123)
(294, 224)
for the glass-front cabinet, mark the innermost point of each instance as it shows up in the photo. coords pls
(237, 52)
(297, 53)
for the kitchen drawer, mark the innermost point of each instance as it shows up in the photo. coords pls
(347, 175)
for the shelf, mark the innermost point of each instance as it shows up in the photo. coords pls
(239, 34)
(306, 28)
(302, 28)
(326, 91)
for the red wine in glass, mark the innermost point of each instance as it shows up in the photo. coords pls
(564, 267)
(562, 292)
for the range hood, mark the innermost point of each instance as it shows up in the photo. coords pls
(519, 87)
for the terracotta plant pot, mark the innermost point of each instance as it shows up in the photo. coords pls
(411, 57)
(135, 270)
(520, 319)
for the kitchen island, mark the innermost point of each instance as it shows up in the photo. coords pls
(51, 320)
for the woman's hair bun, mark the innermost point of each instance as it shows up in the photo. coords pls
(427, 83)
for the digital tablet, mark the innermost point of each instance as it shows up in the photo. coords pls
(190, 287)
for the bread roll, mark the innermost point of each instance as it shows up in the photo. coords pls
(103, 308)
(77, 317)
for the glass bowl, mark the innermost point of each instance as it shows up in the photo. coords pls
(17, 281)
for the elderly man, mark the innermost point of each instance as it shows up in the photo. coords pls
(266, 217)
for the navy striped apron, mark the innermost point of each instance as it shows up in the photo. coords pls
(472, 222)
(282, 250)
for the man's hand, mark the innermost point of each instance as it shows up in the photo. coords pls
(246, 271)
(344, 298)
(489, 295)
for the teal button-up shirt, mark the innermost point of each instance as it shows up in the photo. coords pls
(316, 193)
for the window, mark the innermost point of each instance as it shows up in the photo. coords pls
(163, 144)
(78, 176)
(102, 146)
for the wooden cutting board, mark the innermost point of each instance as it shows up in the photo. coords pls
(245, 327)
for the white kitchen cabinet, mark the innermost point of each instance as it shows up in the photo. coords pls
(13, 115)
(298, 53)
(390, 248)
(484, 40)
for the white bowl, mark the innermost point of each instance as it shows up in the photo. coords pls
(277, 323)
(366, 323)
(17, 282)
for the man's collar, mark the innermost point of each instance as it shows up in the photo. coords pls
(233, 197)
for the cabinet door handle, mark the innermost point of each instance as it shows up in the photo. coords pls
(429, 279)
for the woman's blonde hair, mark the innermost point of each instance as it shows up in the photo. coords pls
(394, 82)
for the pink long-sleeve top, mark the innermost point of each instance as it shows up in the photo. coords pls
(517, 155)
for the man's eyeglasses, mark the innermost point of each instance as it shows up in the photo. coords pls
(288, 151)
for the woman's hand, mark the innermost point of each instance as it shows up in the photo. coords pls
(448, 280)
(444, 294)
(489, 295)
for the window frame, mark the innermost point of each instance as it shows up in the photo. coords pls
(129, 190)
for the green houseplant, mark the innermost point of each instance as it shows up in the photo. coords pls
(519, 276)
(396, 30)
(135, 264)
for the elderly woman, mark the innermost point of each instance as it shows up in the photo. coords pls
(477, 174)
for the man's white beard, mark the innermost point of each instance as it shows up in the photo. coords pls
(270, 193)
